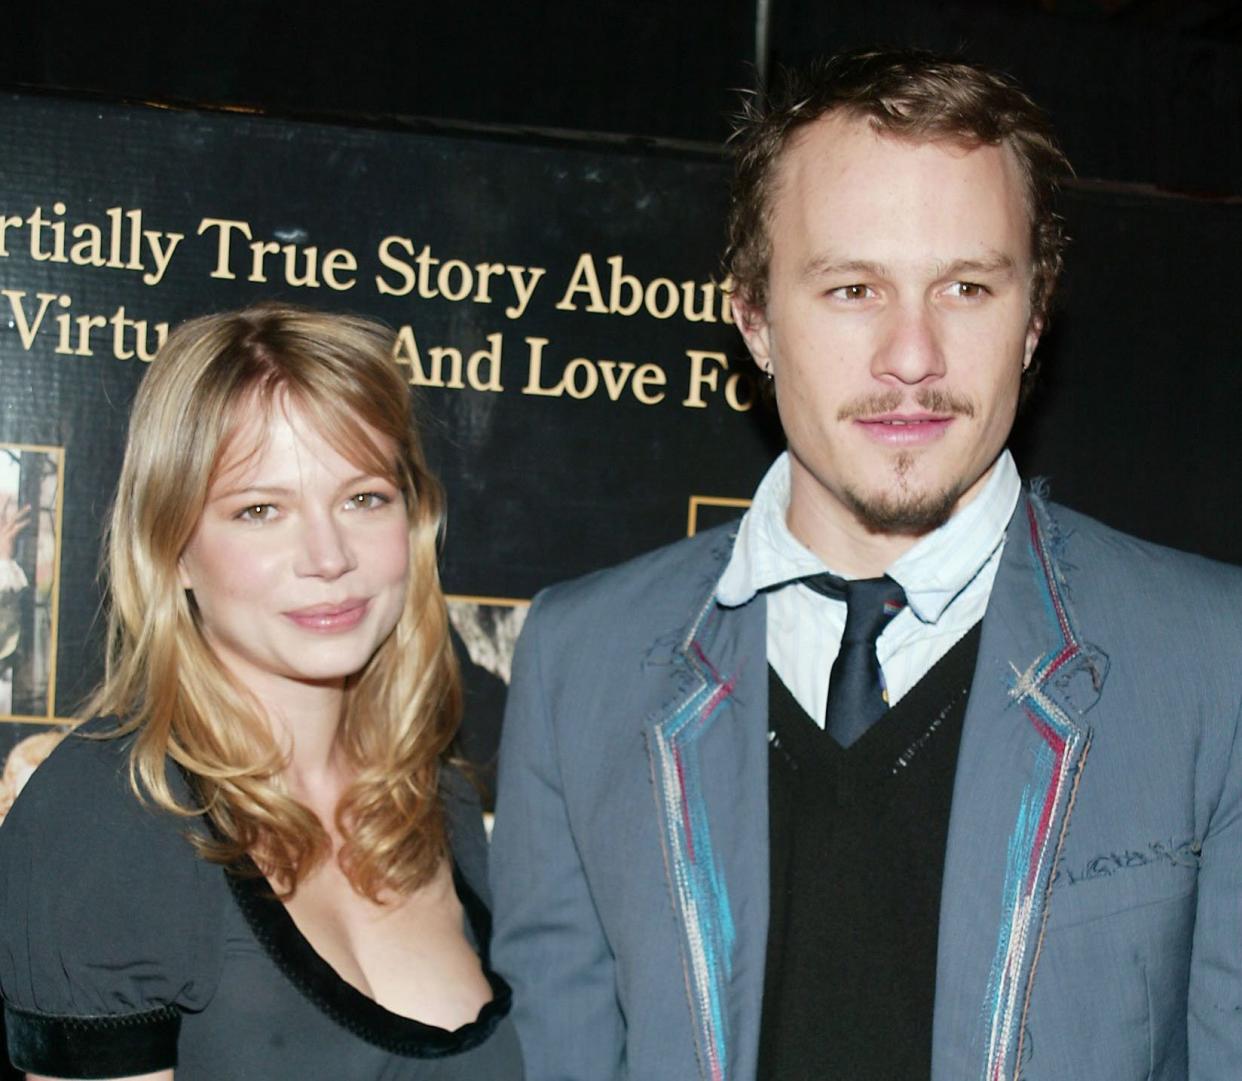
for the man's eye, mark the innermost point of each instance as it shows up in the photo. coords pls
(967, 290)
(257, 512)
(852, 292)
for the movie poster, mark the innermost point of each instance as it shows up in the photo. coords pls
(581, 389)
(580, 386)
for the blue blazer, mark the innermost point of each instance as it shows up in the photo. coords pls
(1091, 907)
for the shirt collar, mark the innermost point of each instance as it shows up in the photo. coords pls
(932, 573)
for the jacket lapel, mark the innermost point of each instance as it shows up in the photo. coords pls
(708, 757)
(1024, 747)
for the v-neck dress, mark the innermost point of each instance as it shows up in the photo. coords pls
(122, 952)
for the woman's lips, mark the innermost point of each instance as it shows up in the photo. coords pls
(905, 429)
(330, 617)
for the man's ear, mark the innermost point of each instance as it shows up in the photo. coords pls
(753, 323)
(1034, 329)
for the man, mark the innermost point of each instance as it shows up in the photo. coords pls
(971, 806)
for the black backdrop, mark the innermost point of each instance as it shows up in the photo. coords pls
(1132, 422)
(630, 417)
(600, 263)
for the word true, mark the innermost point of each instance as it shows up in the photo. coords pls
(301, 267)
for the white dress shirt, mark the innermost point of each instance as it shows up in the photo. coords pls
(947, 577)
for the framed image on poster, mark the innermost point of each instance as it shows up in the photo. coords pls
(706, 511)
(31, 486)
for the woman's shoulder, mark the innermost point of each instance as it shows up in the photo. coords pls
(105, 906)
(84, 785)
(89, 751)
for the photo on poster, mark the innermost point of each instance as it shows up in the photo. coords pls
(23, 751)
(488, 628)
(485, 632)
(31, 484)
(708, 511)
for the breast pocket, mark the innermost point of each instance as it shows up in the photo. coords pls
(1109, 998)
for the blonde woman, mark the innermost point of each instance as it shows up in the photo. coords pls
(256, 860)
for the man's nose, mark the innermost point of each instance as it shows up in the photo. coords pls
(910, 351)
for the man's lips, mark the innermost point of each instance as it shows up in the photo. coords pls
(330, 617)
(905, 429)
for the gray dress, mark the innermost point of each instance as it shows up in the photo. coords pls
(123, 952)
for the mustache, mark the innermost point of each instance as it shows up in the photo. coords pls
(931, 400)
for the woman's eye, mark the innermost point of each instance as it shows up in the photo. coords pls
(257, 512)
(367, 500)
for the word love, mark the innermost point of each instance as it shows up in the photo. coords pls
(577, 379)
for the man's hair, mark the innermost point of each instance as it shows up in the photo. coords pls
(909, 94)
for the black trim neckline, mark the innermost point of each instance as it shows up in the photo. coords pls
(321, 985)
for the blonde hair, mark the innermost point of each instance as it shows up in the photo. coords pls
(401, 711)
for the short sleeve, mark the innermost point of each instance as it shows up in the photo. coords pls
(109, 920)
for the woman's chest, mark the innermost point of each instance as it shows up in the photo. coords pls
(279, 1012)
(411, 954)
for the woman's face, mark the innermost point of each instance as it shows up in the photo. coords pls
(299, 562)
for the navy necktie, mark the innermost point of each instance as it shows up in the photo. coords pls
(855, 689)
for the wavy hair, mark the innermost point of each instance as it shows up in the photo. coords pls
(401, 711)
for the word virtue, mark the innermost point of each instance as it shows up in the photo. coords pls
(79, 335)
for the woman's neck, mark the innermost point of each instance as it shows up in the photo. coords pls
(306, 722)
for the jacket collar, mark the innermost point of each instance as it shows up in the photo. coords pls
(708, 756)
(1024, 747)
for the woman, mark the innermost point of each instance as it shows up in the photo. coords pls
(256, 861)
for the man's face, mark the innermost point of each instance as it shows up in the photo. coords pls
(897, 325)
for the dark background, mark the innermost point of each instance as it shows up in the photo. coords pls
(1134, 420)
(1147, 96)
(1143, 91)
